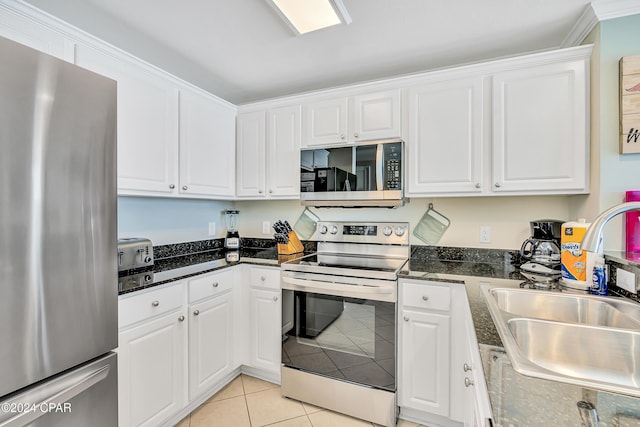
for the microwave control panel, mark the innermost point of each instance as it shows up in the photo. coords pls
(393, 166)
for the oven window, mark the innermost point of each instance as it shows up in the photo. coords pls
(343, 338)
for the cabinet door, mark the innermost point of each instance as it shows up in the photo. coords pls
(283, 151)
(266, 314)
(251, 154)
(26, 31)
(147, 124)
(539, 129)
(207, 146)
(424, 362)
(210, 343)
(445, 137)
(376, 116)
(151, 381)
(325, 122)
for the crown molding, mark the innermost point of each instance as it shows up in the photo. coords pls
(595, 12)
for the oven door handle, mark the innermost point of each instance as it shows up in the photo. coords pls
(313, 285)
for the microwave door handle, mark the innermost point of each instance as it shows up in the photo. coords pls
(313, 285)
(379, 167)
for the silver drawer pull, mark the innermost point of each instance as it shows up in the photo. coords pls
(155, 303)
(468, 382)
(275, 298)
(195, 313)
(181, 319)
(466, 367)
(406, 318)
(425, 298)
(214, 284)
(263, 278)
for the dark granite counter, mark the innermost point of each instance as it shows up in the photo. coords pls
(519, 400)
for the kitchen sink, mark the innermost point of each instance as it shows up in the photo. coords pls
(581, 309)
(585, 340)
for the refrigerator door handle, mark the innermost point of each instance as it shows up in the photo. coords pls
(27, 412)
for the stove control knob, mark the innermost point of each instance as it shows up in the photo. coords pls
(387, 231)
(334, 229)
(323, 229)
(399, 231)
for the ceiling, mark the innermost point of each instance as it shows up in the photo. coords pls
(242, 51)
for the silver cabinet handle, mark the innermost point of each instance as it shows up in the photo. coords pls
(171, 186)
(155, 303)
(342, 136)
(195, 313)
(214, 284)
(425, 298)
(497, 184)
(275, 298)
(478, 185)
(468, 382)
(406, 318)
(355, 135)
(466, 367)
(263, 278)
(184, 187)
(259, 191)
(181, 319)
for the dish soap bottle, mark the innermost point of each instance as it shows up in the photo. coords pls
(599, 279)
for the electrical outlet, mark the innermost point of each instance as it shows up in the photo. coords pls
(485, 234)
(212, 229)
(266, 227)
(626, 280)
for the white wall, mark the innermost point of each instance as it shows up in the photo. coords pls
(170, 220)
(508, 217)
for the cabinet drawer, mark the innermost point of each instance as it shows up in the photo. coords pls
(149, 304)
(426, 296)
(265, 278)
(211, 284)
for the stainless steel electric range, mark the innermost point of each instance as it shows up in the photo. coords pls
(339, 320)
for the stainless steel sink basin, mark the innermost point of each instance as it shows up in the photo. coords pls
(583, 340)
(581, 309)
(595, 354)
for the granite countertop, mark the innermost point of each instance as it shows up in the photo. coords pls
(519, 400)
(516, 400)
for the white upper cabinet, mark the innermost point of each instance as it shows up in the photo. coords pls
(445, 137)
(207, 146)
(346, 119)
(540, 128)
(250, 148)
(325, 122)
(268, 144)
(375, 116)
(147, 124)
(283, 151)
(23, 29)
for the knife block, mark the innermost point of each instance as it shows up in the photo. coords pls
(293, 247)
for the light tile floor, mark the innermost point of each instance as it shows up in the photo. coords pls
(250, 402)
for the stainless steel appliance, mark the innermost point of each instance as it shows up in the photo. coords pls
(367, 174)
(339, 319)
(541, 252)
(134, 253)
(58, 267)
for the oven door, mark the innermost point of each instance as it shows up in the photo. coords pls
(341, 330)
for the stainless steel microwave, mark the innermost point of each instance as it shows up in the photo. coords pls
(363, 175)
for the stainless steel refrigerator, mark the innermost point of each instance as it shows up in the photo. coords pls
(58, 237)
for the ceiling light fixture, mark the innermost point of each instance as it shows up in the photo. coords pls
(304, 16)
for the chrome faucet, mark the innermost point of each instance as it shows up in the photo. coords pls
(592, 240)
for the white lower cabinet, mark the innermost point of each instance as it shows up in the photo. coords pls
(424, 347)
(210, 331)
(151, 356)
(265, 311)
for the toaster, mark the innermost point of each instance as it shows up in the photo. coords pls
(134, 253)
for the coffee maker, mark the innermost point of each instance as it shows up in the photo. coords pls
(541, 252)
